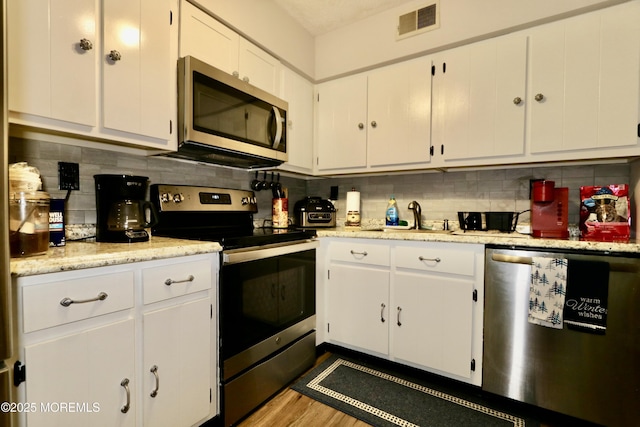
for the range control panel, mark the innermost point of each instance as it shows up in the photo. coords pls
(186, 198)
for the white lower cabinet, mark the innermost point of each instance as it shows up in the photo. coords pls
(92, 361)
(176, 366)
(82, 379)
(416, 303)
(357, 304)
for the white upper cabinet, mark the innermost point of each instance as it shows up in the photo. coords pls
(137, 67)
(479, 96)
(584, 84)
(376, 121)
(205, 38)
(399, 114)
(52, 49)
(298, 92)
(341, 124)
(102, 70)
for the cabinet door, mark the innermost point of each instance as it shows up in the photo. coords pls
(564, 77)
(257, 67)
(137, 86)
(479, 93)
(298, 92)
(358, 307)
(203, 37)
(399, 114)
(431, 322)
(49, 73)
(585, 83)
(177, 358)
(85, 368)
(341, 122)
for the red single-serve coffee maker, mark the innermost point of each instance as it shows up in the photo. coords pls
(549, 210)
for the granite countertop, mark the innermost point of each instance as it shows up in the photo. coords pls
(80, 255)
(514, 239)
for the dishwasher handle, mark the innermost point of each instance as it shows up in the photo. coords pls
(516, 259)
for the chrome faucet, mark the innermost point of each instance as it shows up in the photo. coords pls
(417, 214)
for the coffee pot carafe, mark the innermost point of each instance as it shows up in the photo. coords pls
(121, 208)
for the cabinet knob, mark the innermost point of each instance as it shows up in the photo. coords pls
(235, 74)
(539, 97)
(360, 125)
(374, 124)
(86, 44)
(517, 100)
(114, 55)
(245, 79)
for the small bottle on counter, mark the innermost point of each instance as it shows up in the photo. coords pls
(391, 217)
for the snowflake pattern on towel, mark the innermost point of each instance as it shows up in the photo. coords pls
(548, 287)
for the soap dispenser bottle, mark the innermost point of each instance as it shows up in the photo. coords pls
(392, 212)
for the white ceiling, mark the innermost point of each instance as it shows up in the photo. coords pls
(322, 16)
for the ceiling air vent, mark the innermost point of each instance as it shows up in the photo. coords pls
(418, 21)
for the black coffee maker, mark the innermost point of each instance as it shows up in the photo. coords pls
(121, 208)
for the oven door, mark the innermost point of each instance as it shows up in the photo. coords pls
(267, 301)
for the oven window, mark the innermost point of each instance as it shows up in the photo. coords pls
(260, 298)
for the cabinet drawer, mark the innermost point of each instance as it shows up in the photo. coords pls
(43, 308)
(360, 253)
(176, 279)
(443, 260)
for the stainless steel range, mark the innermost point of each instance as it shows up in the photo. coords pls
(266, 290)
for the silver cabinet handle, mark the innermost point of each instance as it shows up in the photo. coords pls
(517, 100)
(66, 302)
(114, 55)
(86, 44)
(539, 97)
(360, 125)
(421, 258)
(170, 281)
(359, 253)
(374, 124)
(154, 371)
(125, 383)
(399, 310)
(382, 307)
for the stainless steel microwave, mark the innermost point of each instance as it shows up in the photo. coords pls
(226, 121)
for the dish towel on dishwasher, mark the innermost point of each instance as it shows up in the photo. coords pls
(587, 299)
(547, 291)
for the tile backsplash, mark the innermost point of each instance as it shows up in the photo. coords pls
(441, 194)
(160, 170)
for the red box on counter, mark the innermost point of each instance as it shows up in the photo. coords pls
(605, 213)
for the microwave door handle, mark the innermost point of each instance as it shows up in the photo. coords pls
(278, 136)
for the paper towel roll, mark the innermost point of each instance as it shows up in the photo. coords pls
(353, 201)
(353, 208)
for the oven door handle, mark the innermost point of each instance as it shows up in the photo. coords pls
(236, 256)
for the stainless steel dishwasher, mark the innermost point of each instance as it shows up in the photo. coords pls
(595, 377)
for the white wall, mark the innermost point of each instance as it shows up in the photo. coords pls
(372, 41)
(265, 24)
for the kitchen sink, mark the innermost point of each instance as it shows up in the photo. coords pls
(410, 230)
(422, 230)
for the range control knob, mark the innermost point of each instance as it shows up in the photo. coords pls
(177, 198)
(165, 197)
(245, 201)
